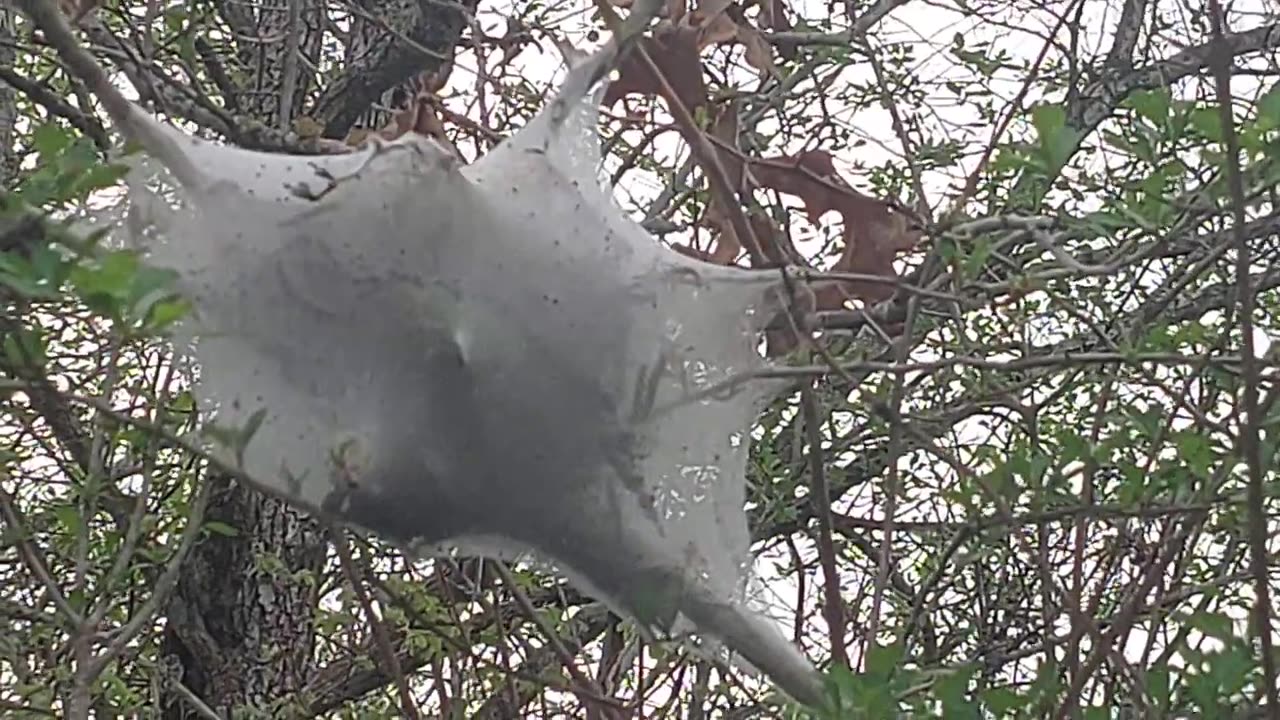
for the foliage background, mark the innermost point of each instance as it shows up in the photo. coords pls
(1040, 485)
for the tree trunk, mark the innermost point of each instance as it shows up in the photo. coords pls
(240, 623)
(8, 96)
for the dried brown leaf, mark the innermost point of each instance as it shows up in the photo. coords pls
(674, 49)
(418, 116)
(724, 130)
(759, 54)
(357, 136)
(715, 25)
(875, 232)
(715, 29)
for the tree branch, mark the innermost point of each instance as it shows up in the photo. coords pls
(1099, 99)
(420, 36)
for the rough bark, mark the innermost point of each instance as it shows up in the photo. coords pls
(8, 98)
(398, 40)
(240, 625)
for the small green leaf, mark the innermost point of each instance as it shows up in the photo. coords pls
(1057, 141)
(165, 313)
(882, 660)
(1048, 119)
(1269, 109)
(1208, 122)
(952, 690)
(69, 518)
(50, 139)
(50, 265)
(1152, 105)
(149, 280)
(100, 176)
(1158, 686)
(1211, 624)
(1196, 452)
(221, 528)
(1001, 701)
(25, 348)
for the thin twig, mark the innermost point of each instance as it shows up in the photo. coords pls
(735, 382)
(199, 706)
(46, 16)
(553, 639)
(56, 105)
(380, 637)
(892, 484)
(163, 586)
(833, 606)
(18, 529)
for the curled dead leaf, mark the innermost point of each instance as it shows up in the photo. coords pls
(676, 49)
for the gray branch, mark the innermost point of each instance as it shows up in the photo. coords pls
(1100, 98)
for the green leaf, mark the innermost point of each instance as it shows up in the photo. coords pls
(882, 660)
(106, 283)
(1208, 122)
(69, 518)
(165, 313)
(148, 280)
(1269, 109)
(18, 274)
(78, 158)
(25, 348)
(50, 265)
(1158, 686)
(1231, 669)
(952, 690)
(1203, 691)
(1152, 105)
(221, 528)
(1002, 701)
(100, 176)
(840, 683)
(1211, 624)
(1048, 119)
(1195, 451)
(1057, 141)
(50, 139)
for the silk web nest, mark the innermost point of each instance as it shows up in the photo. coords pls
(490, 359)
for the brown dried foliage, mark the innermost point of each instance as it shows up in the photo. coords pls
(875, 232)
(676, 47)
(419, 115)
